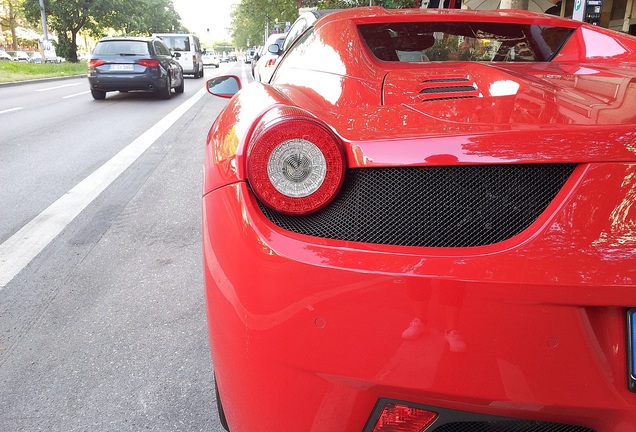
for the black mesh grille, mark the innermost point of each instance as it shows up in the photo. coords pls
(509, 426)
(454, 206)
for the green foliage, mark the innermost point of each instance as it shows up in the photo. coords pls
(251, 18)
(17, 71)
(135, 17)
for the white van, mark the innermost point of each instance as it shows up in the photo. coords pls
(187, 51)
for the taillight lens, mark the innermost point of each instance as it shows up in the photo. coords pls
(92, 64)
(403, 418)
(149, 62)
(295, 163)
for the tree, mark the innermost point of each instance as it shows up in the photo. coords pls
(67, 17)
(251, 19)
(11, 13)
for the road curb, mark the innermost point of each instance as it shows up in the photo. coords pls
(39, 80)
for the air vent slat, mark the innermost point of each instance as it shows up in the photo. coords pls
(449, 89)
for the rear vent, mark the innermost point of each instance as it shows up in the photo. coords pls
(439, 89)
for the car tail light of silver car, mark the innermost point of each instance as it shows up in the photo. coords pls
(295, 163)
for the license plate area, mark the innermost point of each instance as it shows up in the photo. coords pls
(122, 67)
(631, 348)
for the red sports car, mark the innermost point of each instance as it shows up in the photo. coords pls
(427, 222)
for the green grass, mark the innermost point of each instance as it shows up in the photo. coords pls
(17, 71)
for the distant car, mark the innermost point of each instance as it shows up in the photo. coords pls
(134, 63)
(4, 56)
(35, 57)
(266, 63)
(426, 222)
(20, 56)
(210, 58)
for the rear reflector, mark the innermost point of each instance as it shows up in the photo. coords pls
(402, 418)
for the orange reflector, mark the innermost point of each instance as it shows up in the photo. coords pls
(402, 418)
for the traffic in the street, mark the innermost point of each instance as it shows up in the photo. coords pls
(102, 316)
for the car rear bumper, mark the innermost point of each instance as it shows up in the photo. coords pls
(123, 82)
(310, 333)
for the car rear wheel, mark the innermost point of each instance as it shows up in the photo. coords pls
(180, 87)
(98, 95)
(219, 406)
(166, 92)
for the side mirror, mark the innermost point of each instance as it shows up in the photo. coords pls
(224, 86)
(274, 49)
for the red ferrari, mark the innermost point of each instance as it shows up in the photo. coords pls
(426, 221)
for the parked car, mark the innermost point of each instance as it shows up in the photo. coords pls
(425, 221)
(302, 23)
(134, 64)
(266, 62)
(210, 58)
(4, 56)
(249, 55)
(20, 56)
(35, 57)
(187, 51)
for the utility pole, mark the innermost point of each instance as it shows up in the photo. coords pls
(45, 42)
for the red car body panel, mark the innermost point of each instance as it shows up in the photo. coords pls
(308, 333)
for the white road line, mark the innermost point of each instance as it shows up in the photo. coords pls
(18, 250)
(59, 87)
(243, 74)
(11, 110)
(76, 94)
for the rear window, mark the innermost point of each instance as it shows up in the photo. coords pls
(121, 48)
(466, 41)
(177, 43)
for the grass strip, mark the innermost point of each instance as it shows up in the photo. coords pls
(18, 71)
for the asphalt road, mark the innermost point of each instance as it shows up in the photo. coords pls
(104, 328)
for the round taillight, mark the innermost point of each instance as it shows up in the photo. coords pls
(295, 164)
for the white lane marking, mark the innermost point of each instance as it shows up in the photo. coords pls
(18, 250)
(59, 87)
(243, 74)
(76, 94)
(11, 110)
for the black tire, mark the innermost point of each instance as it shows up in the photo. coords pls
(199, 73)
(180, 87)
(98, 95)
(219, 406)
(166, 92)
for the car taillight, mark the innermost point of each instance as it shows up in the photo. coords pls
(403, 418)
(194, 60)
(295, 163)
(92, 64)
(149, 62)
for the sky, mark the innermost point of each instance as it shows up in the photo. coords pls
(200, 15)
